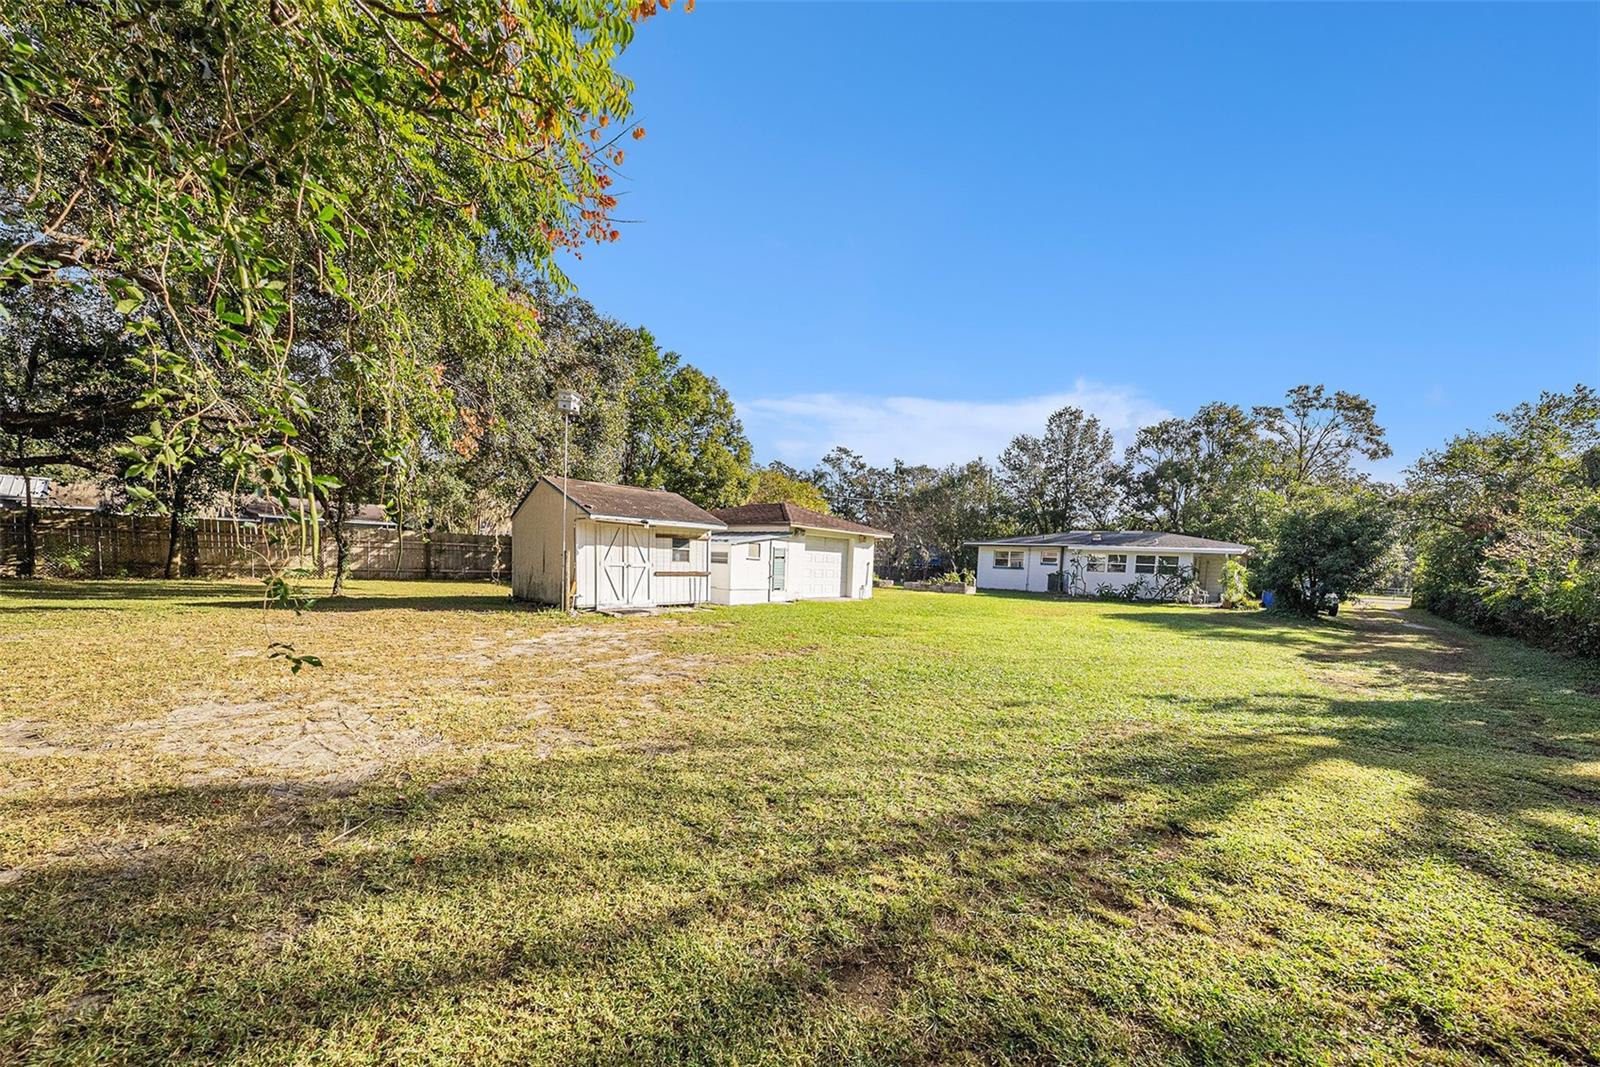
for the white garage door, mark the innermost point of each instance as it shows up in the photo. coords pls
(822, 567)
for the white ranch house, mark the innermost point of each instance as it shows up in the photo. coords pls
(772, 553)
(625, 547)
(1084, 562)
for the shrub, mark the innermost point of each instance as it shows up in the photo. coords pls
(1235, 584)
(1326, 546)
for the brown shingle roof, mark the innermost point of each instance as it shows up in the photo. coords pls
(767, 515)
(631, 502)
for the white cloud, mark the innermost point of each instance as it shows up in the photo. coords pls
(799, 429)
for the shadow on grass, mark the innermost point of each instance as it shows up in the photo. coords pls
(354, 602)
(57, 590)
(51, 595)
(730, 900)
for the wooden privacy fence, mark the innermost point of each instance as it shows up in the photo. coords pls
(97, 545)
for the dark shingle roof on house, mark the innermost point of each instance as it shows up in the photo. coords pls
(784, 515)
(602, 500)
(1117, 539)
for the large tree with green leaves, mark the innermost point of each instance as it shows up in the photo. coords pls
(1202, 475)
(683, 434)
(779, 483)
(1064, 478)
(236, 175)
(1314, 437)
(1326, 545)
(1507, 523)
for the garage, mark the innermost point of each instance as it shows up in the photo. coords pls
(821, 570)
(781, 551)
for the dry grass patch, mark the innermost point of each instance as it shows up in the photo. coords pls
(912, 830)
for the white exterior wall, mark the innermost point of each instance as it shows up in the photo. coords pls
(587, 534)
(1031, 578)
(676, 582)
(743, 580)
(861, 553)
(536, 546)
(1093, 583)
(748, 581)
(536, 555)
(1034, 577)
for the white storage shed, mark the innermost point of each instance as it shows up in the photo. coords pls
(625, 547)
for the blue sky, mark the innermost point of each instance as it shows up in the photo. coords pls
(916, 229)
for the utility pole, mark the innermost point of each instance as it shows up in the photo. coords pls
(568, 403)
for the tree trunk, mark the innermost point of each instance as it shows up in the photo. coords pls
(180, 500)
(29, 517)
(341, 546)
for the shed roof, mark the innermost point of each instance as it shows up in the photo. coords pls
(784, 515)
(605, 501)
(1118, 539)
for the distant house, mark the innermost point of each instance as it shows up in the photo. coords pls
(266, 509)
(625, 547)
(778, 552)
(1087, 561)
(15, 489)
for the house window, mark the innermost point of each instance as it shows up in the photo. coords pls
(1117, 563)
(720, 557)
(1050, 558)
(1144, 564)
(1096, 564)
(680, 550)
(1008, 559)
(1166, 564)
(753, 550)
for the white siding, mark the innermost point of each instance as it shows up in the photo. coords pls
(676, 582)
(536, 555)
(748, 581)
(1035, 573)
(536, 547)
(861, 552)
(1093, 582)
(991, 577)
(743, 580)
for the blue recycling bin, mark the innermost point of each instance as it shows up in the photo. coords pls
(1266, 598)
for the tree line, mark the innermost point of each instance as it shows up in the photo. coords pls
(1225, 472)
(311, 251)
(649, 418)
(1499, 530)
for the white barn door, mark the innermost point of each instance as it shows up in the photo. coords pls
(822, 567)
(624, 565)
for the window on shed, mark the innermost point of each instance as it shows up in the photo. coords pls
(1144, 564)
(753, 550)
(1096, 564)
(1117, 563)
(1166, 564)
(1050, 557)
(680, 550)
(1008, 559)
(719, 556)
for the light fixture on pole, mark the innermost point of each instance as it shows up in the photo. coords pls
(567, 403)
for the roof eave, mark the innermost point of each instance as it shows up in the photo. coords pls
(635, 520)
(879, 534)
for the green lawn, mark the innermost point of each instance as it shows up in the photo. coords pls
(920, 829)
